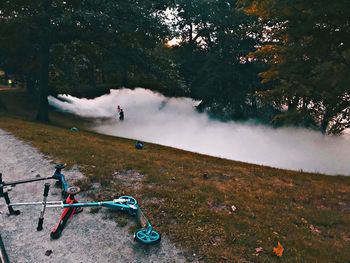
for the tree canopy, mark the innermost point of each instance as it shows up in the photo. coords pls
(308, 51)
(281, 62)
(87, 35)
(215, 39)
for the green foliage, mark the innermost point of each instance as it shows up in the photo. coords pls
(216, 37)
(84, 48)
(307, 47)
(79, 44)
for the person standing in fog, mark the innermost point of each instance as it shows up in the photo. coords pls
(121, 115)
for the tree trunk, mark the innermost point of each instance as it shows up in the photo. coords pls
(103, 76)
(43, 111)
(6, 77)
(2, 105)
(124, 73)
(293, 103)
(325, 121)
(31, 86)
(324, 125)
(92, 78)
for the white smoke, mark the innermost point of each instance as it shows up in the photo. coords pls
(152, 117)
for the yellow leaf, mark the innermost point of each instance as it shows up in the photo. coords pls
(278, 250)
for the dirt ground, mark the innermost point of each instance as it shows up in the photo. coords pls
(88, 237)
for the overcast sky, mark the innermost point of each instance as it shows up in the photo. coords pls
(151, 117)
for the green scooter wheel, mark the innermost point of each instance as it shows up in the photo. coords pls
(147, 238)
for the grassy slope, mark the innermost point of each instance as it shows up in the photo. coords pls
(188, 196)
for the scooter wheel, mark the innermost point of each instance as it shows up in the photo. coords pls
(143, 237)
(73, 190)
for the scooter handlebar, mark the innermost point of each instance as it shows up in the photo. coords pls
(46, 189)
(40, 224)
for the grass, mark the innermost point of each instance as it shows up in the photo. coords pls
(188, 196)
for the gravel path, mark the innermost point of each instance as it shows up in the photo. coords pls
(87, 238)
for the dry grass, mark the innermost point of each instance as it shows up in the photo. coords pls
(188, 196)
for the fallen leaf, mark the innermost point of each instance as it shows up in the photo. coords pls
(259, 249)
(315, 229)
(278, 250)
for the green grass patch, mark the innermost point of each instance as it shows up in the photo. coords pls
(189, 197)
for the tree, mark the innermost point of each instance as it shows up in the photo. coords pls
(215, 39)
(122, 29)
(17, 54)
(307, 48)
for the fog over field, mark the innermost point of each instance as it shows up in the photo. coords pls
(152, 117)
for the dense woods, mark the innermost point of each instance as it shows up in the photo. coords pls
(285, 63)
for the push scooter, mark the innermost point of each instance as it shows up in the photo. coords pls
(58, 176)
(145, 235)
